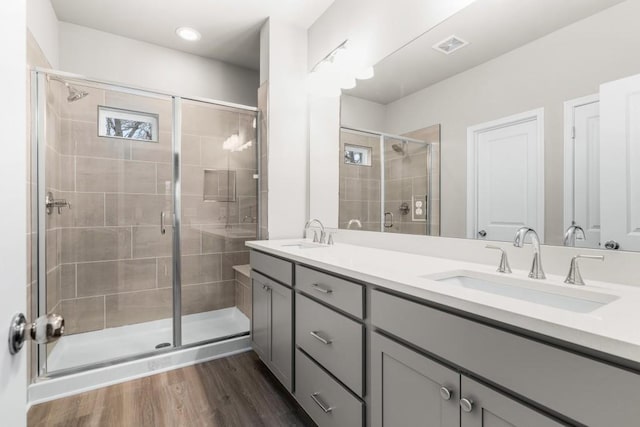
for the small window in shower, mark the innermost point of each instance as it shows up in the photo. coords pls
(219, 185)
(357, 155)
(127, 124)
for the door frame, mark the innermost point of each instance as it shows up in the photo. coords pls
(473, 133)
(569, 154)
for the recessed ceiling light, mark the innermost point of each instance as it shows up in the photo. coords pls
(188, 34)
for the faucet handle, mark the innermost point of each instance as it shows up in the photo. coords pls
(504, 261)
(315, 236)
(574, 277)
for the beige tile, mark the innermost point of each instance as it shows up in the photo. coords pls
(87, 210)
(190, 240)
(197, 211)
(68, 281)
(190, 146)
(244, 280)
(165, 272)
(83, 140)
(148, 242)
(160, 151)
(230, 259)
(137, 307)
(95, 244)
(207, 297)
(103, 278)
(138, 209)
(52, 250)
(53, 289)
(208, 120)
(83, 315)
(201, 269)
(248, 209)
(246, 184)
(193, 180)
(67, 174)
(115, 176)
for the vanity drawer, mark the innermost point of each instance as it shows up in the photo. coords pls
(332, 339)
(326, 401)
(588, 391)
(273, 267)
(340, 293)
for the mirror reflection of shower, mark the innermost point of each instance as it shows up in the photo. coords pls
(75, 94)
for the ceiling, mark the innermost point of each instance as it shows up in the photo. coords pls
(493, 28)
(230, 28)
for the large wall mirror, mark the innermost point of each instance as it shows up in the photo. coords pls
(510, 113)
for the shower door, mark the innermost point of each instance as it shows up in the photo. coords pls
(406, 186)
(105, 209)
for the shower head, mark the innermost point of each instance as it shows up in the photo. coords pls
(400, 148)
(75, 94)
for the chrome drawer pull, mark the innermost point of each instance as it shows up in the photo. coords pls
(319, 338)
(319, 288)
(315, 398)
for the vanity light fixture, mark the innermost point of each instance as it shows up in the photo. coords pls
(338, 70)
(189, 34)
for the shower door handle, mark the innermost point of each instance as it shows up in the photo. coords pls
(46, 329)
(163, 230)
(388, 224)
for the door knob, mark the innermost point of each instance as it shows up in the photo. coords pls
(482, 233)
(45, 329)
(612, 244)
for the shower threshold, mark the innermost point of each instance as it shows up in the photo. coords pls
(89, 348)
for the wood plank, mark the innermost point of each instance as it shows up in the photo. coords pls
(234, 391)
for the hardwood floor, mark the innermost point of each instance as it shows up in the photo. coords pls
(235, 391)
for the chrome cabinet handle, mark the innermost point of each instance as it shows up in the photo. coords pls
(163, 230)
(390, 224)
(466, 404)
(319, 288)
(320, 338)
(445, 393)
(326, 409)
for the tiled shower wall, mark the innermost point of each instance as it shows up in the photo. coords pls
(109, 264)
(360, 185)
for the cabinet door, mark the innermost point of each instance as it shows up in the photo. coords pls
(492, 409)
(260, 319)
(406, 388)
(281, 332)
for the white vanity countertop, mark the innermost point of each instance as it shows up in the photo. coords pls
(613, 328)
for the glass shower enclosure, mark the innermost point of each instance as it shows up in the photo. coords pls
(388, 183)
(142, 206)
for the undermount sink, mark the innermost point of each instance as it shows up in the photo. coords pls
(303, 245)
(569, 299)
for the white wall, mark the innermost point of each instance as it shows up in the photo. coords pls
(569, 63)
(13, 227)
(43, 24)
(288, 167)
(362, 114)
(110, 57)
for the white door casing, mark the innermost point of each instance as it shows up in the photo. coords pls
(582, 167)
(620, 162)
(505, 176)
(13, 227)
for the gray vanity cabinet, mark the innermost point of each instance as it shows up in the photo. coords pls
(408, 389)
(485, 407)
(271, 327)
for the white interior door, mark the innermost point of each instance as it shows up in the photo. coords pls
(13, 175)
(620, 162)
(582, 168)
(505, 177)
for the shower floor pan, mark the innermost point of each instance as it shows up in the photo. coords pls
(88, 348)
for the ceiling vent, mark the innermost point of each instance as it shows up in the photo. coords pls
(450, 45)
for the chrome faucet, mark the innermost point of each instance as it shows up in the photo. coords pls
(572, 232)
(536, 267)
(503, 267)
(323, 234)
(354, 221)
(574, 277)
